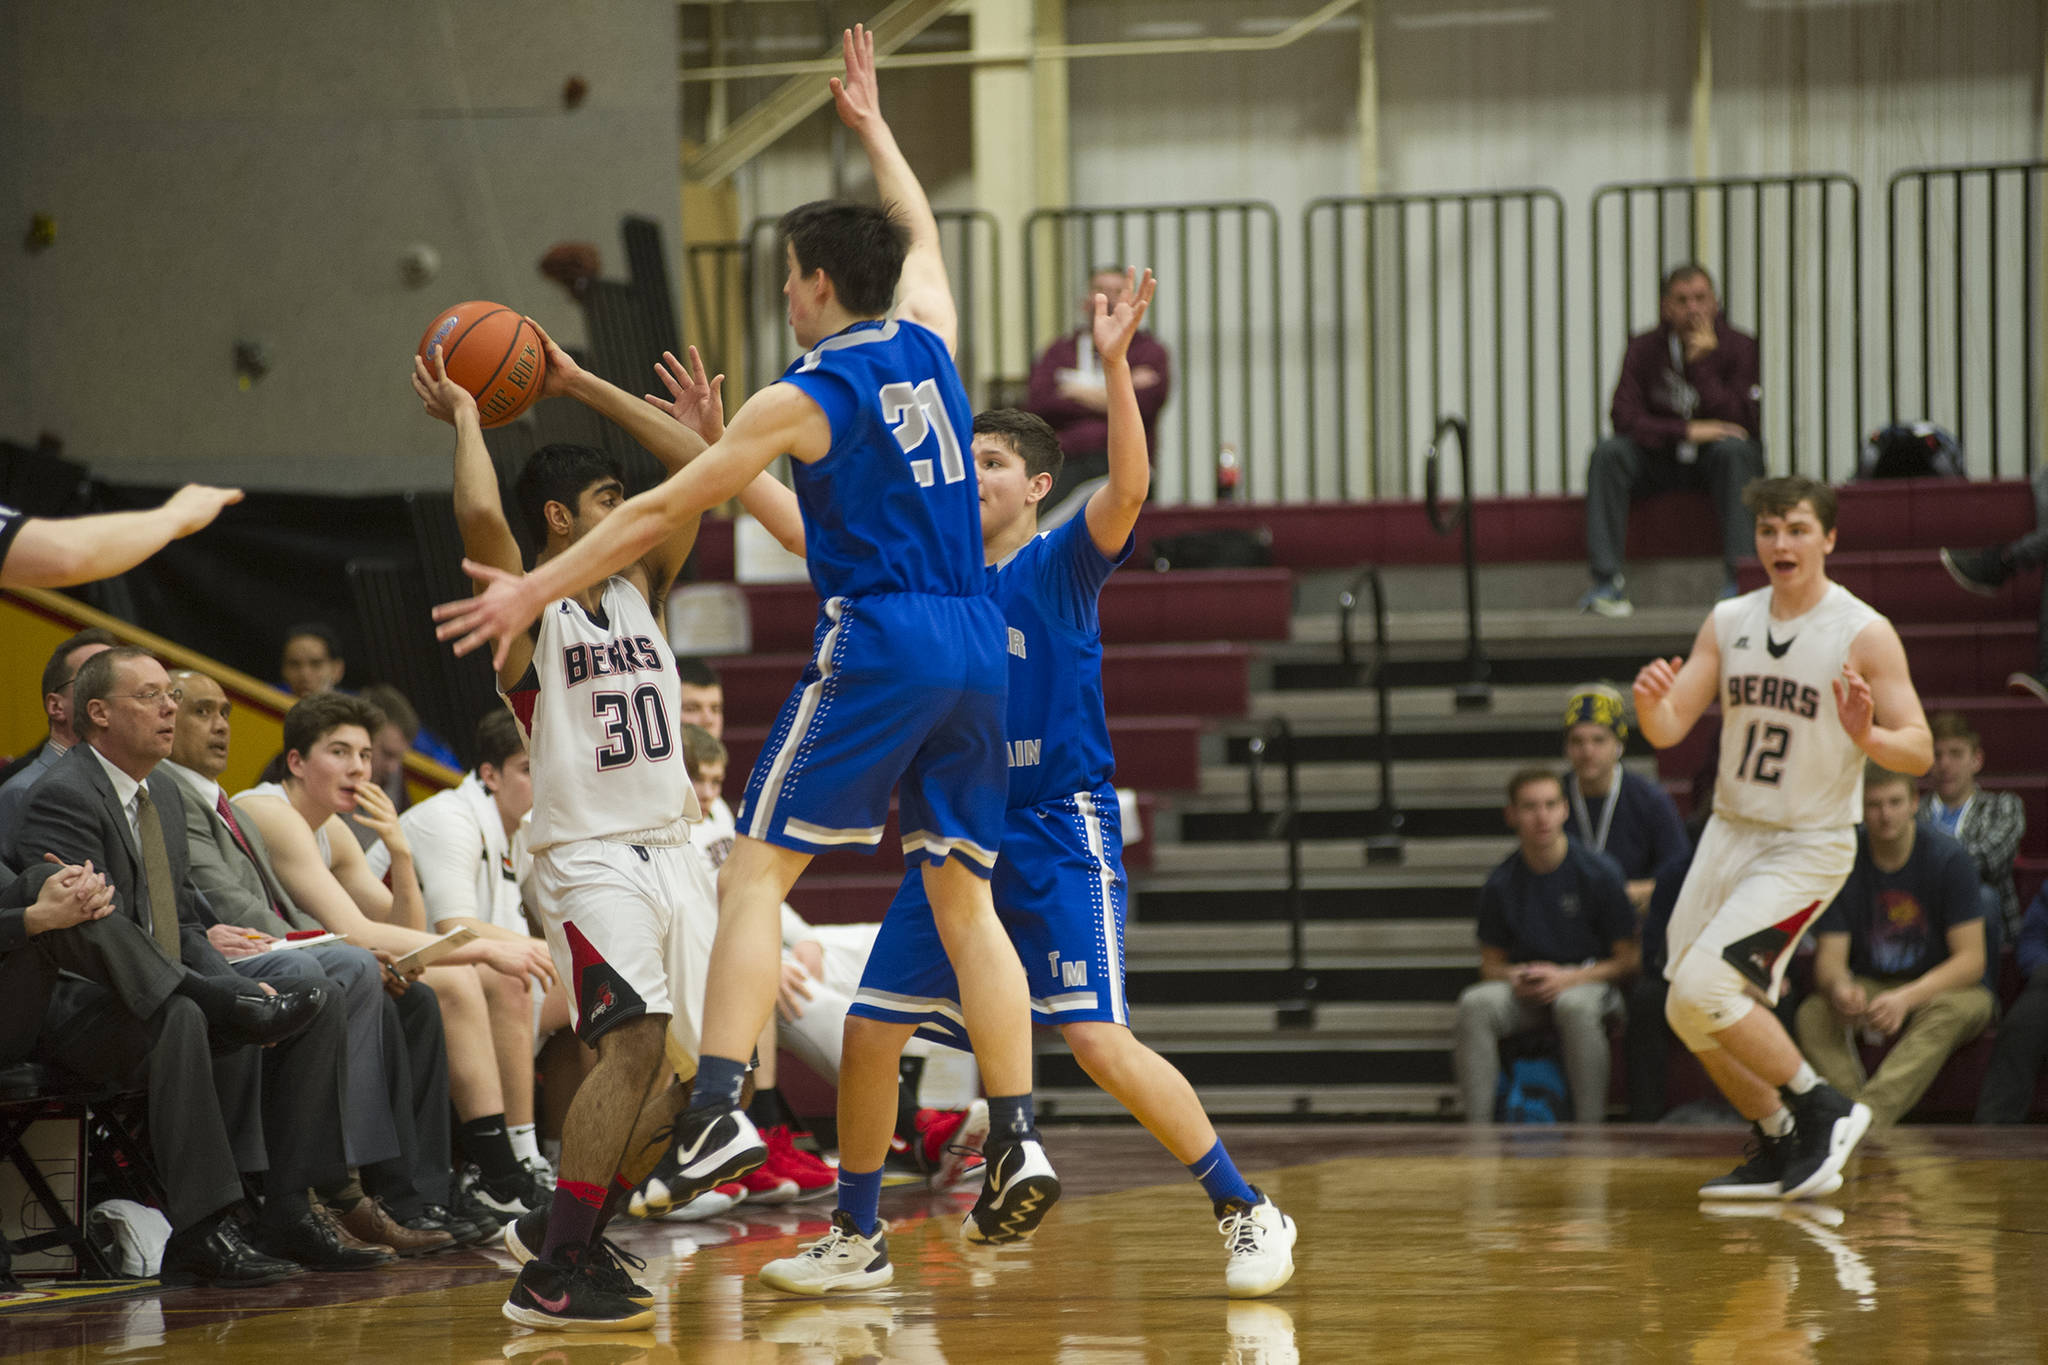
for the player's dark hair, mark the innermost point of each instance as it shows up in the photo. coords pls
(1029, 437)
(397, 710)
(559, 472)
(1954, 725)
(860, 246)
(1679, 274)
(314, 718)
(1875, 774)
(692, 671)
(1775, 497)
(498, 740)
(328, 636)
(1527, 776)
(96, 679)
(57, 672)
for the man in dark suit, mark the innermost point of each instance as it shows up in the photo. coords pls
(397, 1113)
(104, 802)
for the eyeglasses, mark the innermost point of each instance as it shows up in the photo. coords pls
(154, 696)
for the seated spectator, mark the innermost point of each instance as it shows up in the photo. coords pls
(470, 853)
(1610, 810)
(311, 661)
(277, 1111)
(397, 1063)
(402, 734)
(1685, 415)
(1989, 824)
(1985, 571)
(1647, 1045)
(327, 756)
(1067, 390)
(1556, 939)
(2022, 1047)
(65, 661)
(1900, 955)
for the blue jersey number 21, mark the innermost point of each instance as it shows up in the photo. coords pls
(916, 413)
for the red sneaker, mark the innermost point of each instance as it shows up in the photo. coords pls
(813, 1177)
(764, 1186)
(950, 1142)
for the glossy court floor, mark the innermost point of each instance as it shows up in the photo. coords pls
(1418, 1243)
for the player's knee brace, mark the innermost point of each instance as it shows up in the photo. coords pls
(1707, 995)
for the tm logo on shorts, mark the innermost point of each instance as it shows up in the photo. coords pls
(1069, 973)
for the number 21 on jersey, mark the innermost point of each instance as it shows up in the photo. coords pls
(916, 414)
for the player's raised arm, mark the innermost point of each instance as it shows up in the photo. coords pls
(1672, 694)
(779, 419)
(61, 553)
(923, 293)
(1113, 509)
(1877, 686)
(694, 402)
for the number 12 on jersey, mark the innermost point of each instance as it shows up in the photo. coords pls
(1764, 763)
(914, 415)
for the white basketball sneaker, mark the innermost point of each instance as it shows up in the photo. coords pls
(1259, 1240)
(1018, 1188)
(840, 1262)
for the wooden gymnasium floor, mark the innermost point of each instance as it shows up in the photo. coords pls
(1418, 1242)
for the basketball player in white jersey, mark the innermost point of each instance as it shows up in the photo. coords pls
(628, 905)
(1811, 681)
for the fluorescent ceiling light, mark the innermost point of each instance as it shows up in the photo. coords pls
(1474, 18)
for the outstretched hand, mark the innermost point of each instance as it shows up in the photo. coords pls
(193, 507)
(857, 97)
(1655, 681)
(494, 616)
(1114, 327)
(694, 400)
(1852, 703)
(442, 397)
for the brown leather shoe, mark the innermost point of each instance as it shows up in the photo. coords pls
(370, 1222)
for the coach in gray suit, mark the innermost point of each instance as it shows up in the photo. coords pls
(104, 802)
(398, 1127)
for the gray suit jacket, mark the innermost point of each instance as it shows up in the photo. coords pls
(72, 813)
(237, 890)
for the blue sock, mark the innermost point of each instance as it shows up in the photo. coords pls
(1219, 1177)
(1009, 1118)
(860, 1198)
(718, 1083)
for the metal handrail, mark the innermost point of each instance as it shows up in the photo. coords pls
(1383, 840)
(1476, 692)
(1299, 1010)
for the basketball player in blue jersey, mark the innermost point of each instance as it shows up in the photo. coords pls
(907, 685)
(1060, 885)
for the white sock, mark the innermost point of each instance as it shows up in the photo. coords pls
(1776, 1125)
(525, 1142)
(1803, 1080)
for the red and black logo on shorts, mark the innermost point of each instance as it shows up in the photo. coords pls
(602, 996)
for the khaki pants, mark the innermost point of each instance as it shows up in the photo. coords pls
(1932, 1034)
(1488, 1012)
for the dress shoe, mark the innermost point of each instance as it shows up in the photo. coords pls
(314, 1240)
(373, 1224)
(435, 1218)
(218, 1253)
(265, 1019)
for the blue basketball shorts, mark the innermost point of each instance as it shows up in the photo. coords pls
(905, 693)
(1060, 893)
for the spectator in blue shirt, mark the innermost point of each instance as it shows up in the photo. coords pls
(1900, 956)
(1610, 810)
(1556, 937)
(2015, 1070)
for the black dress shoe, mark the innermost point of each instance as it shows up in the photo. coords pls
(314, 1241)
(220, 1255)
(265, 1019)
(434, 1218)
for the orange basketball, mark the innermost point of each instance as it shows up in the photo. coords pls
(494, 353)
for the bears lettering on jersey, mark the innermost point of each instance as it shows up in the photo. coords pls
(1784, 694)
(582, 662)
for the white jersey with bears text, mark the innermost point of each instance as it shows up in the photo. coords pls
(1786, 761)
(600, 708)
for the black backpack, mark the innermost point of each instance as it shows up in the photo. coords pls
(1920, 450)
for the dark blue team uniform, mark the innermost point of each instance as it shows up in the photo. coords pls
(906, 682)
(1060, 886)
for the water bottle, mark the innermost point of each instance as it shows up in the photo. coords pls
(1227, 474)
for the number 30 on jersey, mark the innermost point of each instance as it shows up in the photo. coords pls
(916, 414)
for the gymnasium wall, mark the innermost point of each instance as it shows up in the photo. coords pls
(228, 169)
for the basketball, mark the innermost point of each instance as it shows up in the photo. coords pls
(493, 352)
